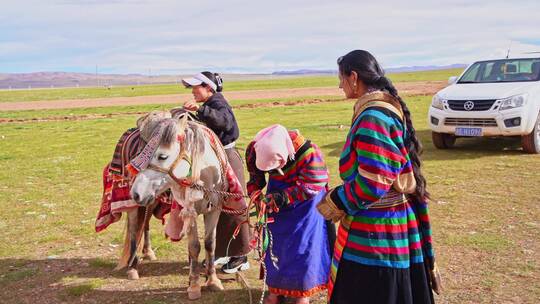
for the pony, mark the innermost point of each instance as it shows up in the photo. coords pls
(116, 198)
(186, 155)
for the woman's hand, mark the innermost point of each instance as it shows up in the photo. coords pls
(191, 106)
(270, 203)
(275, 201)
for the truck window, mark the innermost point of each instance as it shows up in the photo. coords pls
(505, 70)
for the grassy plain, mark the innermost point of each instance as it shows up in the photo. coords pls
(165, 89)
(485, 210)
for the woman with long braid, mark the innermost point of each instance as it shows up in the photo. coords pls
(383, 252)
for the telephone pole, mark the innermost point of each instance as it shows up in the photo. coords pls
(97, 79)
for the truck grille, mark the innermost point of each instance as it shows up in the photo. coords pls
(479, 105)
(471, 122)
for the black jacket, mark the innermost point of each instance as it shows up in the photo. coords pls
(217, 114)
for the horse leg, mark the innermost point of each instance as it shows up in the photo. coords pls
(148, 253)
(194, 248)
(210, 223)
(134, 222)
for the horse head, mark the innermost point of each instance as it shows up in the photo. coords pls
(172, 156)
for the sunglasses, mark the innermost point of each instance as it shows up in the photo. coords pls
(340, 60)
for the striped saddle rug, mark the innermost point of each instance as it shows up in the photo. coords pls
(116, 183)
(129, 145)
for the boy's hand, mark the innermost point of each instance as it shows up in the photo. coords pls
(191, 106)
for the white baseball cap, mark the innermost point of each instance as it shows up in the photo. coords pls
(199, 79)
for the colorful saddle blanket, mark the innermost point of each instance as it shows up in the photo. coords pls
(116, 183)
(129, 145)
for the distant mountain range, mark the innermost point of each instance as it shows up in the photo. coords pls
(389, 70)
(306, 72)
(66, 79)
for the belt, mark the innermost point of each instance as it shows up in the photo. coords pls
(390, 199)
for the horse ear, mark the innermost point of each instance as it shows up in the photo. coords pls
(188, 138)
(182, 123)
(182, 126)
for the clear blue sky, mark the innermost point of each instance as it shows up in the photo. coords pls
(171, 37)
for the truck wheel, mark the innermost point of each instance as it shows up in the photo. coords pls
(443, 140)
(531, 141)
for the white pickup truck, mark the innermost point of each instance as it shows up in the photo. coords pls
(491, 98)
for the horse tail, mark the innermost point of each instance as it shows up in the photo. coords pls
(124, 257)
(133, 227)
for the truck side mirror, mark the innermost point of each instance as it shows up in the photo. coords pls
(452, 79)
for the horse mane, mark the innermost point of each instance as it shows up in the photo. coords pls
(195, 140)
(148, 123)
(169, 133)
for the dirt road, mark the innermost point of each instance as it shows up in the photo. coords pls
(410, 88)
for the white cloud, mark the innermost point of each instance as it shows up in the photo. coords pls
(246, 36)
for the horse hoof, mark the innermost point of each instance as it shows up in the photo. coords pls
(150, 255)
(194, 293)
(132, 274)
(214, 285)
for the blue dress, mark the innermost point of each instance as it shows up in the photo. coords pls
(300, 243)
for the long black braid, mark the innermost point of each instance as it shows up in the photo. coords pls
(372, 75)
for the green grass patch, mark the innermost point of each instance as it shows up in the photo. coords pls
(48, 239)
(81, 288)
(102, 263)
(437, 75)
(16, 275)
(487, 242)
(165, 89)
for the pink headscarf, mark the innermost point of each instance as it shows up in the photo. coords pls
(273, 147)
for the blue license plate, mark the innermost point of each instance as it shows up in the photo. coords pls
(468, 131)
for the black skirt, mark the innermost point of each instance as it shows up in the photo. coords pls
(357, 283)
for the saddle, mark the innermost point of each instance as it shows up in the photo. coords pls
(129, 145)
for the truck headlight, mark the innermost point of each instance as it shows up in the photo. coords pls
(437, 102)
(513, 102)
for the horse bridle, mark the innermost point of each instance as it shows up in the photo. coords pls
(182, 156)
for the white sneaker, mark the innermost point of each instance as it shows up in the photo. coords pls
(222, 261)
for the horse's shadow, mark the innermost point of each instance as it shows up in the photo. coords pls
(95, 281)
(156, 269)
(92, 268)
